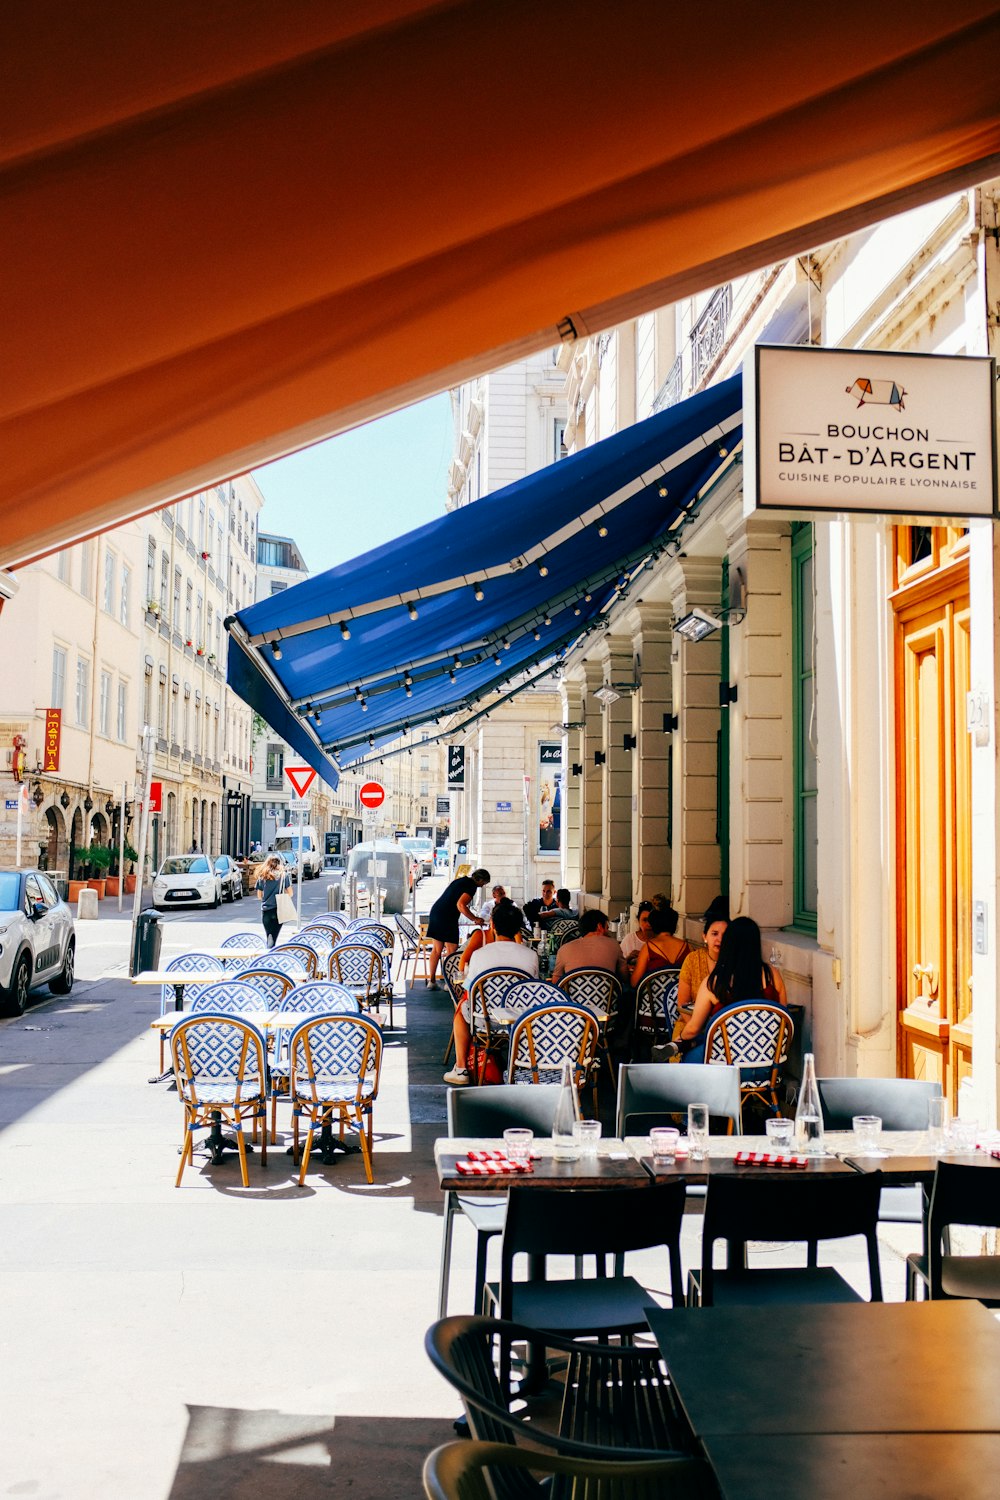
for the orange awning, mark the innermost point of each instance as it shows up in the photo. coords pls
(231, 229)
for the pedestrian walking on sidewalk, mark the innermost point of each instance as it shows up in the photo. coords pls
(270, 880)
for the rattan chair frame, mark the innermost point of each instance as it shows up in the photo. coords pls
(340, 1111)
(206, 1114)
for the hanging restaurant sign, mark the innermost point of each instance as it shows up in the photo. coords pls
(53, 737)
(456, 768)
(856, 430)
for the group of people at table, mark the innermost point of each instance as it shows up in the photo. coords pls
(727, 971)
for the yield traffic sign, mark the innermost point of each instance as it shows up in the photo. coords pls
(372, 794)
(301, 777)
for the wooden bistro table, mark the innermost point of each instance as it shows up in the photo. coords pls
(613, 1166)
(883, 1399)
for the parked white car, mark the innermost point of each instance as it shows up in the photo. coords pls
(37, 942)
(186, 880)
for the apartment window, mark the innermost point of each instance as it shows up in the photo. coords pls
(58, 677)
(210, 539)
(188, 606)
(201, 523)
(82, 691)
(275, 767)
(109, 582)
(423, 789)
(122, 710)
(62, 565)
(423, 814)
(87, 569)
(151, 571)
(277, 588)
(177, 599)
(199, 635)
(187, 723)
(164, 583)
(125, 597)
(425, 763)
(161, 709)
(105, 705)
(558, 440)
(804, 807)
(147, 698)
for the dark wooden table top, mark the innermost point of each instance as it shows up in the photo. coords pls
(848, 1368)
(858, 1466)
(613, 1166)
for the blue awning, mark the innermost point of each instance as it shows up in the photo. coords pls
(430, 624)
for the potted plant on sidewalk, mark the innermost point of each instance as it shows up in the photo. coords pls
(99, 862)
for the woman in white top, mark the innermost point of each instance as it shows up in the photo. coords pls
(503, 950)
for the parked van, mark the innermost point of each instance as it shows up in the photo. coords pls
(421, 850)
(383, 864)
(286, 840)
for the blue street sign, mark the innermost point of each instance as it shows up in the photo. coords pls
(10, 804)
(503, 807)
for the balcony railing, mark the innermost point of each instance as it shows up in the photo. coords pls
(670, 391)
(709, 334)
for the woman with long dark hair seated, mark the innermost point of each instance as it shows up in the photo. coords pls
(739, 978)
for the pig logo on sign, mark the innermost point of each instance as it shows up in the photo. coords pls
(877, 393)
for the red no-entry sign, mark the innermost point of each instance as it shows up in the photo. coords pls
(372, 794)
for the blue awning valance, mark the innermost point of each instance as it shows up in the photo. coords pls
(456, 610)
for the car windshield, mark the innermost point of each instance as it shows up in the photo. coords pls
(222, 865)
(185, 864)
(9, 886)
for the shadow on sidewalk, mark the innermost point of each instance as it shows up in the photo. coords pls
(232, 1455)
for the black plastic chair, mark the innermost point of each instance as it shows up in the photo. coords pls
(742, 1205)
(963, 1193)
(650, 1093)
(458, 1471)
(615, 1397)
(485, 1113)
(901, 1104)
(605, 1223)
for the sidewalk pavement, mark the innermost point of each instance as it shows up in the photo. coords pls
(213, 1341)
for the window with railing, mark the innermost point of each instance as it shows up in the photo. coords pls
(670, 391)
(709, 333)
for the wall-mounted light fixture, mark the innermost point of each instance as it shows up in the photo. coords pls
(670, 723)
(727, 694)
(599, 757)
(629, 742)
(38, 796)
(576, 769)
(610, 692)
(88, 803)
(697, 624)
(64, 800)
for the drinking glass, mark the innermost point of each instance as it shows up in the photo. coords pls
(937, 1122)
(663, 1142)
(962, 1135)
(780, 1133)
(868, 1134)
(517, 1143)
(698, 1131)
(587, 1133)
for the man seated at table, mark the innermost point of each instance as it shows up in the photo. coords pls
(506, 951)
(595, 948)
(544, 906)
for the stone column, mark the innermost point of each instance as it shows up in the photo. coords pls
(695, 581)
(592, 796)
(651, 643)
(572, 791)
(616, 883)
(760, 665)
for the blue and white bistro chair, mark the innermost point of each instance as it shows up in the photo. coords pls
(320, 997)
(753, 1036)
(231, 997)
(359, 967)
(253, 942)
(656, 1009)
(334, 1066)
(599, 992)
(545, 1037)
(273, 985)
(186, 963)
(305, 955)
(221, 1071)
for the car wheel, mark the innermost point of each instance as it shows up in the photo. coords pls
(227, 894)
(63, 982)
(16, 998)
(218, 900)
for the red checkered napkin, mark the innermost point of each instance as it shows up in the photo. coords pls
(769, 1159)
(490, 1164)
(993, 1153)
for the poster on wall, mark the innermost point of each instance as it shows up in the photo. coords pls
(549, 796)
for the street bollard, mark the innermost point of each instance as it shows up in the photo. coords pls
(86, 906)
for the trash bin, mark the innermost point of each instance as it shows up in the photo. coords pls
(148, 937)
(334, 896)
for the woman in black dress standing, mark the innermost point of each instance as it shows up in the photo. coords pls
(442, 923)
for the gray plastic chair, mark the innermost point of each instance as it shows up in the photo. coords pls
(484, 1113)
(649, 1092)
(901, 1104)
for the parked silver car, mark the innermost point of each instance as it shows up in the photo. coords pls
(37, 941)
(229, 874)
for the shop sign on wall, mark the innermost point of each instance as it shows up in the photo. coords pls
(856, 430)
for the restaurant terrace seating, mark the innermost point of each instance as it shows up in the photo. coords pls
(271, 982)
(754, 1038)
(488, 1112)
(233, 997)
(901, 1104)
(600, 992)
(319, 997)
(279, 958)
(488, 994)
(963, 1193)
(656, 1011)
(545, 1037)
(190, 963)
(221, 1074)
(334, 1064)
(493, 1471)
(253, 942)
(651, 1094)
(358, 967)
(303, 952)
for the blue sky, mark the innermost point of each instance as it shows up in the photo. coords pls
(350, 493)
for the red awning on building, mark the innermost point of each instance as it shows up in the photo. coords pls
(230, 230)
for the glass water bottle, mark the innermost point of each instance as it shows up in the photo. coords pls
(809, 1114)
(564, 1147)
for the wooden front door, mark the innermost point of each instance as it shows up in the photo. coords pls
(934, 858)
